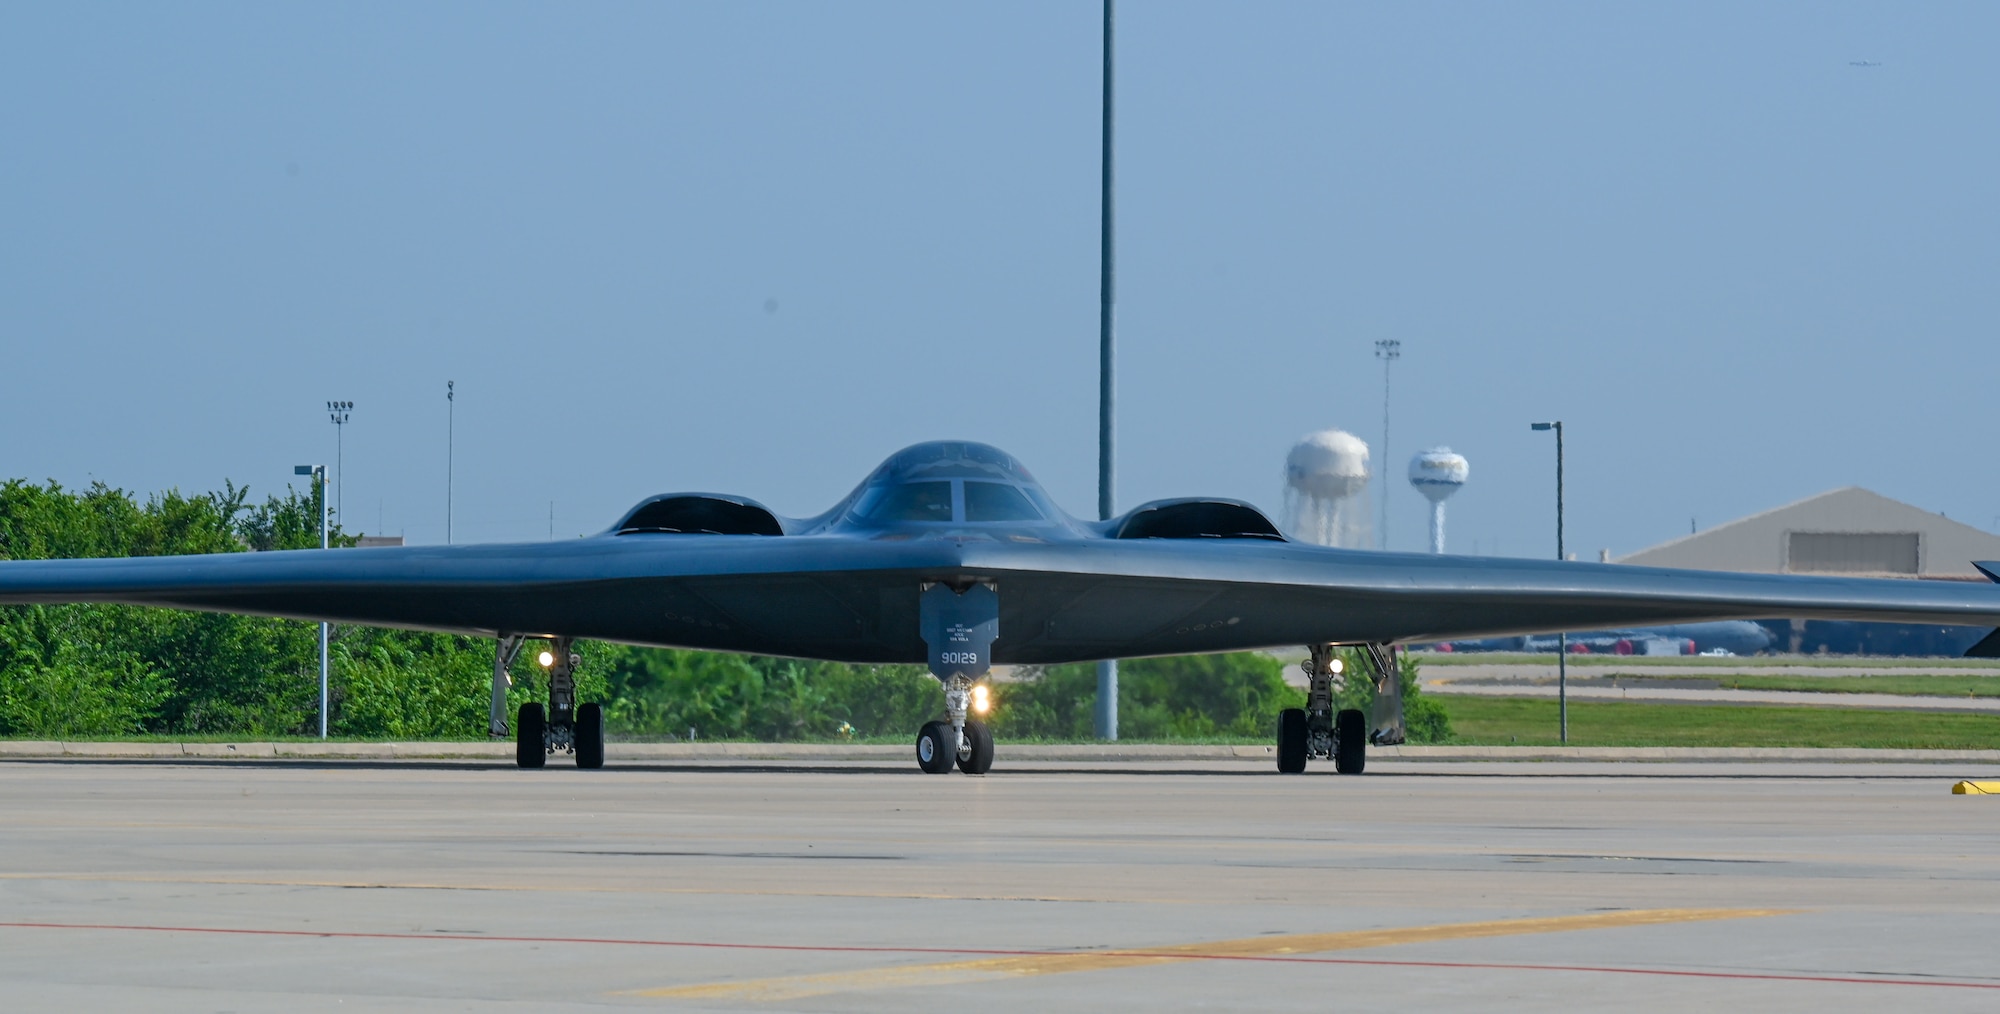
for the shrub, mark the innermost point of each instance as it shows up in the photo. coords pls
(1229, 696)
(1424, 719)
(662, 693)
(81, 690)
(1235, 696)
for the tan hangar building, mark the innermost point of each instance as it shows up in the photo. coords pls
(1846, 531)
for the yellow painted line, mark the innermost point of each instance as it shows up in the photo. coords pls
(1976, 789)
(794, 987)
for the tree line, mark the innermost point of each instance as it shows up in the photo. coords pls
(83, 671)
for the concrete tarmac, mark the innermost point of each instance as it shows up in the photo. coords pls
(375, 886)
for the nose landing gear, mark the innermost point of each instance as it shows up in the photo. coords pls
(959, 625)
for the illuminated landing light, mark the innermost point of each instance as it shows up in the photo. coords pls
(547, 659)
(982, 699)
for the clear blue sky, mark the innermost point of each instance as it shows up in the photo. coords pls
(1740, 268)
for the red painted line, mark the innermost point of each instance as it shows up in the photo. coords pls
(995, 952)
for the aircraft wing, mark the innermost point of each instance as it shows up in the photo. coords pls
(854, 598)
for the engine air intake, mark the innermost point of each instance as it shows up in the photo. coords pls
(700, 514)
(1198, 519)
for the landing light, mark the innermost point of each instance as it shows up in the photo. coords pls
(1337, 665)
(981, 698)
(546, 658)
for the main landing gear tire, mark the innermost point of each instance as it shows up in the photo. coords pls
(531, 726)
(1292, 741)
(590, 735)
(1350, 742)
(937, 748)
(978, 756)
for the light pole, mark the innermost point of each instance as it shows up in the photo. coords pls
(318, 472)
(450, 431)
(1562, 639)
(1106, 712)
(1388, 350)
(338, 411)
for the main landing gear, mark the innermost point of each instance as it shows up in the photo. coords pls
(960, 624)
(1318, 731)
(563, 725)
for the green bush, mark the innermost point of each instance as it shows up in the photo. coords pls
(221, 674)
(663, 693)
(1229, 696)
(410, 686)
(81, 689)
(1234, 696)
(1424, 719)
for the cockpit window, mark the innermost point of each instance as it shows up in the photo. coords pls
(997, 501)
(909, 501)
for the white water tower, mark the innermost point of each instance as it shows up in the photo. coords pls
(1325, 475)
(1437, 474)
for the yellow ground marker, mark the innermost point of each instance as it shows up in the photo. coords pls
(794, 987)
(1976, 789)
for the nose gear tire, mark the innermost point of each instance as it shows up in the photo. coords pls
(937, 748)
(978, 758)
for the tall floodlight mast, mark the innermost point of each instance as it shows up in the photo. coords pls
(1388, 350)
(338, 411)
(1106, 716)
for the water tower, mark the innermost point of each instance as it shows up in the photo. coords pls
(1325, 474)
(1437, 474)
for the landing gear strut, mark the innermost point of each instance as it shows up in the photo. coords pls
(960, 625)
(1317, 730)
(563, 725)
(496, 716)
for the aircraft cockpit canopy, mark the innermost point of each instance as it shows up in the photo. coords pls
(953, 482)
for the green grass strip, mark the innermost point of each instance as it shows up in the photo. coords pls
(1533, 722)
(1913, 686)
(1776, 663)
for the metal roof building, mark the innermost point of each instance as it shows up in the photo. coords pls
(1846, 531)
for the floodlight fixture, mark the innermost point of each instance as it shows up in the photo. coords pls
(339, 411)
